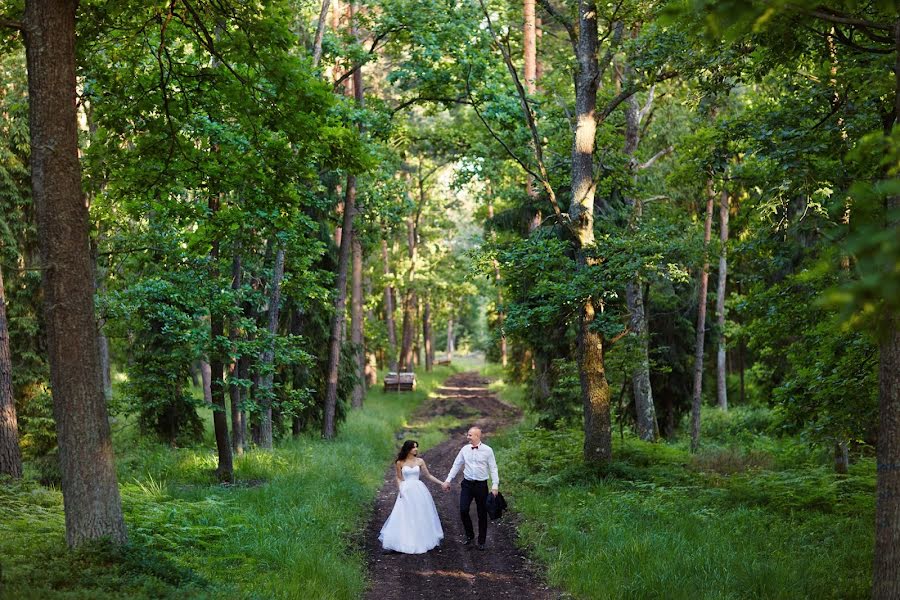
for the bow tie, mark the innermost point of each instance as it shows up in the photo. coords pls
(474, 447)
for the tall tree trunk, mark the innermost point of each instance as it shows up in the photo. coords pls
(216, 380)
(268, 357)
(529, 51)
(595, 393)
(206, 380)
(645, 411)
(234, 389)
(411, 301)
(389, 307)
(701, 324)
(426, 335)
(500, 315)
(450, 346)
(356, 323)
(340, 309)
(10, 455)
(886, 575)
(320, 32)
(356, 294)
(91, 500)
(721, 371)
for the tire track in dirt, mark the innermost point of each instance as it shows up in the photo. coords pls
(453, 570)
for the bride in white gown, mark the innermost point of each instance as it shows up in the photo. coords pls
(413, 526)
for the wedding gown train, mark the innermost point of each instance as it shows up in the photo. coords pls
(413, 526)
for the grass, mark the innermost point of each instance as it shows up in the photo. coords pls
(289, 528)
(750, 516)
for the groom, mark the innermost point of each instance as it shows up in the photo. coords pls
(476, 460)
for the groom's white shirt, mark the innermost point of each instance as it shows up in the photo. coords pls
(476, 464)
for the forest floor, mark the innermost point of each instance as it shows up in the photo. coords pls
(453, 570)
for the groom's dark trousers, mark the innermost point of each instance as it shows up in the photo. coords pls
(478, 491)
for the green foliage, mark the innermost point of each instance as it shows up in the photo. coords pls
(660, 522)
(274, 533)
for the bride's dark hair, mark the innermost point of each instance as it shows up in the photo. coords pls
(408, 445)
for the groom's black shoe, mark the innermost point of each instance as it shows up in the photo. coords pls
(480, 547)
(468, 541)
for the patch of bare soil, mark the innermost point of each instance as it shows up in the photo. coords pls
(453, 570)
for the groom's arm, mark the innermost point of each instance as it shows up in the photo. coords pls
(495, 476)
(457, 465)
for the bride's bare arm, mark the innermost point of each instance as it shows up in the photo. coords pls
(428, 474)
(399, 473)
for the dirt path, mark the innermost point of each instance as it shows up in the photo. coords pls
(453, 570)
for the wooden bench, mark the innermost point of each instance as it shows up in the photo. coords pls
(444, 363)
(399, 382)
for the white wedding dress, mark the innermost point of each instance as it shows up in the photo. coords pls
(413, 526)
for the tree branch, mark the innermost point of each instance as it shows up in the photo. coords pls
(370, 51)
(12, 24)
(826, 14)
(655, 157)
(566, 23)
(626, 93)
(544, 177)
(417, 99)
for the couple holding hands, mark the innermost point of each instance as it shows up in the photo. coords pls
(413, 526)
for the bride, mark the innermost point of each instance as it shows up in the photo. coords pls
(413, 526)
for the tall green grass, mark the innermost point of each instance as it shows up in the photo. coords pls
(749, 517)
(289, 528)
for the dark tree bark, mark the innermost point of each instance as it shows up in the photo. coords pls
(225, 470)
(721, 371)
(595, 393)
(268, 356)
(91, 500)
(886, 574)
(389, 320)
(701, 325)
(340, 308)
(10, 455)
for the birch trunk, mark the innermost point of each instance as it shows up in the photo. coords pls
(426, 336)
(645, 410)
(234, 390)
(701, 325)
(721, 371)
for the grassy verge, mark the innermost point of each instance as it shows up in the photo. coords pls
(748, 517)
(288, 529)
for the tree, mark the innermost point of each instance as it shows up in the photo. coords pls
(10, 455)
(703, 278)
(91, 500)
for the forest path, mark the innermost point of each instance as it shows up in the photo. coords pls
(453, 570)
